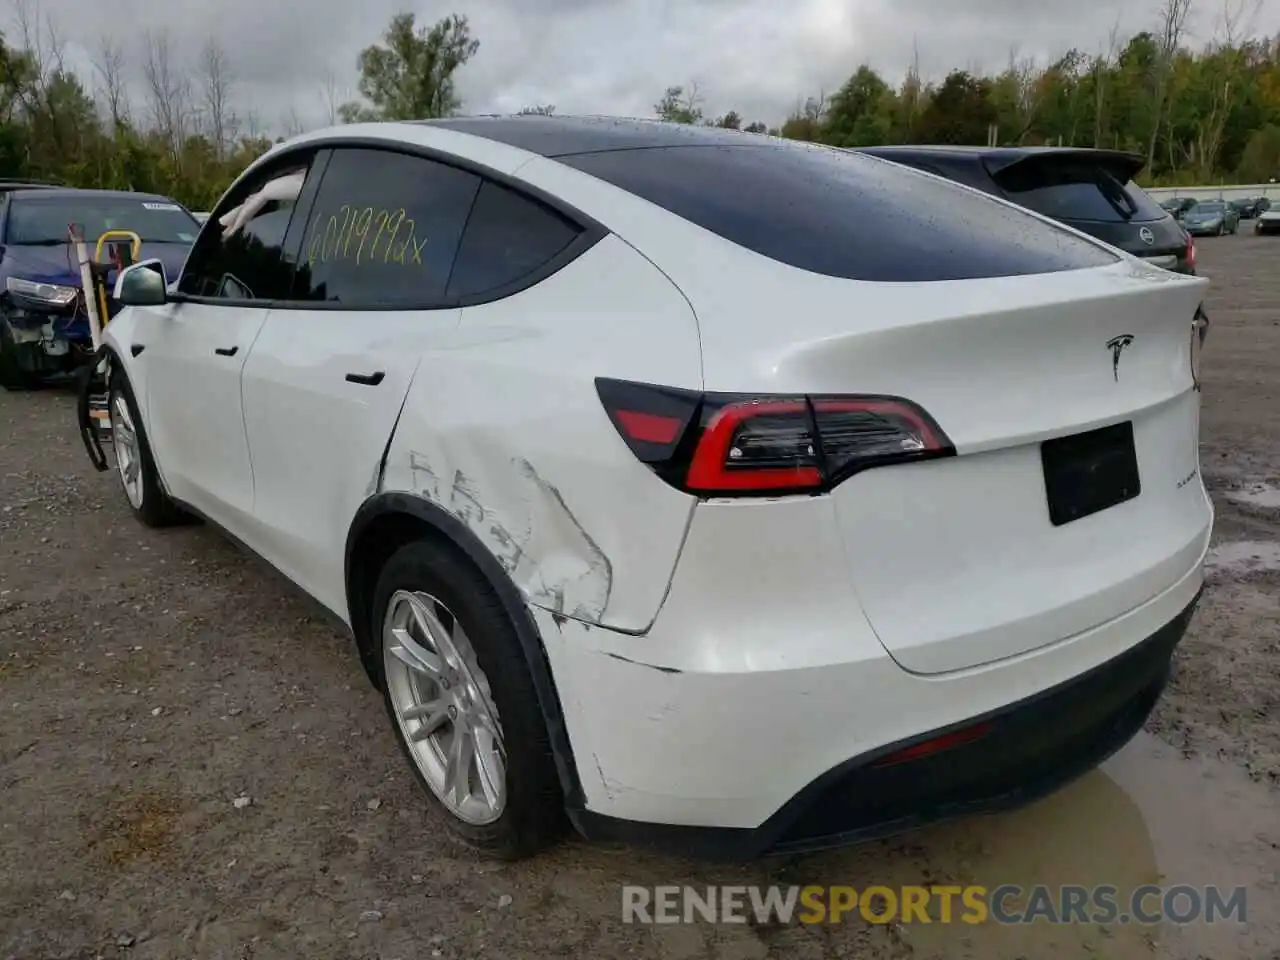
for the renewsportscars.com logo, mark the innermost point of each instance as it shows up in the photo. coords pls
(1006, 904)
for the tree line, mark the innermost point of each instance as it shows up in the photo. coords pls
(1197, 114)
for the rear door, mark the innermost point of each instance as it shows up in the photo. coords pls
(1095, 193)
(329, 372)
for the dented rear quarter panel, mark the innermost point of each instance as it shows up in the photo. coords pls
(504, 430)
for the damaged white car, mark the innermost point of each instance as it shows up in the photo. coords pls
(688, 486)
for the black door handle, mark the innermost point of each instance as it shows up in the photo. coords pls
(368, 379)
(226, 351)
(137, 348)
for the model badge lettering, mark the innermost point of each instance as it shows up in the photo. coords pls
(1116, 345)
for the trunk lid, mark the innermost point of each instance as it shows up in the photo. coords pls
(958, 561)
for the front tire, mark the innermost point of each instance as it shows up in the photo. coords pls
(135, 466)
(462, 702)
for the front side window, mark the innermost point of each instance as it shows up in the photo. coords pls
(384, 230)
(241, 252)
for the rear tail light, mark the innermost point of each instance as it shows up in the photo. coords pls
(717, 444)
(1191, 252)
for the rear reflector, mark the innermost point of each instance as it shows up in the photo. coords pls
(934, 745)
(735, 445)
(649, 427)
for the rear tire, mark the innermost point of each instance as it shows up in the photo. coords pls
(450, 665)
(135, 466)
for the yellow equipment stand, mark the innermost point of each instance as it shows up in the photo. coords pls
(135, 251)
(94, 277)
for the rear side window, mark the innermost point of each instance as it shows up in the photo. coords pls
(508, 237)
(384, 230)
(1076, 191)
(842, 214)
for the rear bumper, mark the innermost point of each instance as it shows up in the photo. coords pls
(1029, 749)
(737, 724)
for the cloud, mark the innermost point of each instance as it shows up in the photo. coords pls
(760, 57)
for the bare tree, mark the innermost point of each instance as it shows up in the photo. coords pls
(332, 98)
(215, 82)
(1173, 20)
(1024, 76)
(253, 124)
(1238, 18)
(1236, 22)
(44, 46)
(1101, 71)
(44, 49)
(913, 87)
(292, 122)
(109, 66)
(168, 92)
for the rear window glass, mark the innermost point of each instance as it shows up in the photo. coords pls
(842, 214)
(1069, 191)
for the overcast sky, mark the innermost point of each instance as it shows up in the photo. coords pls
(609, 56)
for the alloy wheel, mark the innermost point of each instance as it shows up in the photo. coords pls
(443, 706)
(124, 441)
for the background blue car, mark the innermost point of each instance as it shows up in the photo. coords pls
(44, 330)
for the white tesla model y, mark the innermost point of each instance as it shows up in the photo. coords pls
(689, 486)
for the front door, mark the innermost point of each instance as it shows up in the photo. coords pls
(194, 349)
(192, 355)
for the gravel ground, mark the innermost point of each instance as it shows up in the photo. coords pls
(193, 765)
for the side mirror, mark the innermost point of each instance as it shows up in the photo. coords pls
(142, 285)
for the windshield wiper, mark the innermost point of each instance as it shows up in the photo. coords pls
(47, 242)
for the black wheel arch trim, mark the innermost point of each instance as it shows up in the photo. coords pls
(513, 601)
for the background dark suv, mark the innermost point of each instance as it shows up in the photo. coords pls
(1091, 190)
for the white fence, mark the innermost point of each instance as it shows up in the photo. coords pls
(1221, 192)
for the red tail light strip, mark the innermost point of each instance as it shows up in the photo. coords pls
(715, 444)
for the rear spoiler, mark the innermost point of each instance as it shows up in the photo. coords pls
(1122, 165)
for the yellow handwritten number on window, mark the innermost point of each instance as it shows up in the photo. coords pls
(345, 234)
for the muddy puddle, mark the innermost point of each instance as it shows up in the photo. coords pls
(1240, 557)
(1262, 495)
(1148, 816)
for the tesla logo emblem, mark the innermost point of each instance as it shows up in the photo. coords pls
(1116, 345)
(1147, 236)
